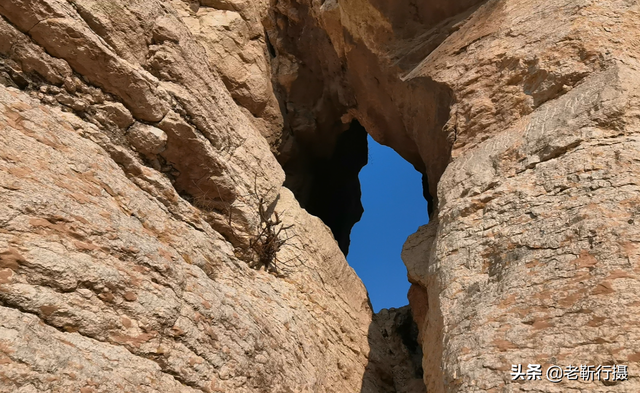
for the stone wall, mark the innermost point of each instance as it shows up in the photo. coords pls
(136, 149)
(140, 140)
(524, 118)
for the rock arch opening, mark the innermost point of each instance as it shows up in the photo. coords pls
(335, 181)
(329, 188)
(394, 208)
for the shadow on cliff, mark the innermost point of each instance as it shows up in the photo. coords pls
(409, 18)
(395, 360)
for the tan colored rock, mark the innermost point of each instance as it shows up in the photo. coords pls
(120, 269)
(520, 114)
(116, 113)
(236, 46)
(519, 267)
(77, 104)
(545, 278)
(218, 25)
(58, 28)
(31, 57)
(147, 139)
(183, 80)
(397, 364)
(134, 267)
(141, 375)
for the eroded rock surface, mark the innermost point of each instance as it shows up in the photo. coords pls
(139, 139)
(398, 363)
(130, 186)
(536, 233)
(528, 247)
(524, 118)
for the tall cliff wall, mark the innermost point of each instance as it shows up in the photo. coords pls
(130, 188)
(143, 144)
(523, 116)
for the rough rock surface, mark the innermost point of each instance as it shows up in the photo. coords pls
(398, 364)
(533, 256)
(524, 118)
(130, 186)
(233, 36)
(139, 138)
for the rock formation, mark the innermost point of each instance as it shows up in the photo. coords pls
(130, 181)
(142, 144)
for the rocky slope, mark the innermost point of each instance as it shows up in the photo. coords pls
(523, 116)
(140, 140)
(131, 184)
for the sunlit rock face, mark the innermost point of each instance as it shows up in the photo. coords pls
(524, 117)
(136, 147)
(139, 140)
(535, 236)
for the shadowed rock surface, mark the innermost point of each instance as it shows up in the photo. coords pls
(398, 362)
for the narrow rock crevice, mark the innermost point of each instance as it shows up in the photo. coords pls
(395, 362)
(331, 190)
(335, 84)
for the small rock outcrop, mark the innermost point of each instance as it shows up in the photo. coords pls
(397, 363)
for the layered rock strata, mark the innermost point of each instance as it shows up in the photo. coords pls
(133, 166)
(140, 139)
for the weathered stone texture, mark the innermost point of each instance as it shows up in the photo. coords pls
(524, 117)
(234, 38)
(130, 183)
(533, 255)
(540, 243)
(93, 258)
(139, 137)
(398, 362)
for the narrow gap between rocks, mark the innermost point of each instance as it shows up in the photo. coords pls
(394, 208)
(334, 186)
(358, 172)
